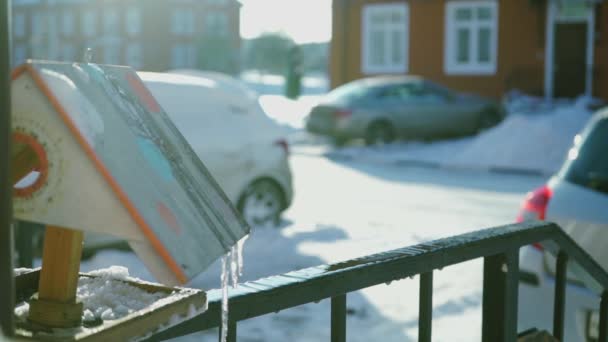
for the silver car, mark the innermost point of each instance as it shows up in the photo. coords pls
(576, 198)
(382, 109)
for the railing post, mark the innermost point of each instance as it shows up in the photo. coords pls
(338, 318)
(231, 336)
(425, 316)
(604, 317)
(500, 282)
(559, 306)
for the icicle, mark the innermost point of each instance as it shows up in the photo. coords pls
(232, 267)
(239, 250)
(225, 281)
(234, 271)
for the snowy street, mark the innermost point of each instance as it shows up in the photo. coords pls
(344, 210)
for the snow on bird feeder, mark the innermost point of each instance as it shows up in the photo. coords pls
(103, 157)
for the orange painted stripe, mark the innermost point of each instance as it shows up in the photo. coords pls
(122, 196)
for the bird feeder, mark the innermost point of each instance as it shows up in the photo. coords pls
(94, 152)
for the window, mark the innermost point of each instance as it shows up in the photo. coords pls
(89, 23)
(133, 19)
(183, 56)
(397, 93)
(471, 37)
(110, 21)
(68, 52)
(111, 54)
(67, 22)
(38, 23)
(19, 24)
(385, 38)
(216, 23)
(134, 56)
(19, 54)
(182, 21)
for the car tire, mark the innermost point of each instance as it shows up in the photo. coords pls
(379, 133)
(339, 141)
(487, 119)
(262, 203)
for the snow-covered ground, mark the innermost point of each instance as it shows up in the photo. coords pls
(534, 137)
(343, 210)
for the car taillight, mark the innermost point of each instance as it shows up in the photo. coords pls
(283, 144)
(342, 113)
(534, 207)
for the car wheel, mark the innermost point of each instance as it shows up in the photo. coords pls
(379, 133)
(262, 203)
(487, 119)
(339, 141)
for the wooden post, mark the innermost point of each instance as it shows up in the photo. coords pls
(56, 304)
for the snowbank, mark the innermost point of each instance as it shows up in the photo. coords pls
(535, 137)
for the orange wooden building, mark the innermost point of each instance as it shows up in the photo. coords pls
(484, 46)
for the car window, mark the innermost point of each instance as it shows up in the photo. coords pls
(431, 93)
(348, 93)
(589, 167)
(397, 93)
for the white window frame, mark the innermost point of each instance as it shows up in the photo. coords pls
(473, 67)
(388, 67)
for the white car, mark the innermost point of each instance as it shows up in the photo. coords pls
(576, 198)
(225, 125)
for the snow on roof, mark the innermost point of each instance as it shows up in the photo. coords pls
(181, 79)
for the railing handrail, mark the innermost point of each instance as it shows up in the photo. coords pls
(277, 293)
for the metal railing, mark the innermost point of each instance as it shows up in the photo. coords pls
(498, 246)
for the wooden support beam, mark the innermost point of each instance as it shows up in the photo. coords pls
(56, 304)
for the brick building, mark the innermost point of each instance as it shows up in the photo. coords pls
(153, 35)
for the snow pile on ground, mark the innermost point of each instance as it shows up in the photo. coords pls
(287, 112)
(106, 295)
(536, 137)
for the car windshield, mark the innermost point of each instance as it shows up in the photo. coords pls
(348, 93)
(589, 167)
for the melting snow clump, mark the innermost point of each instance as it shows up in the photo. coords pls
(106, 296)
